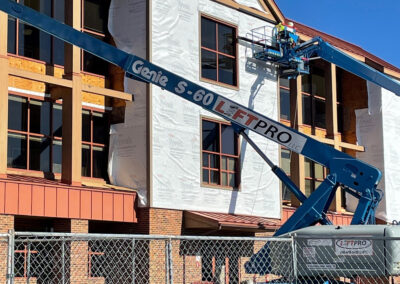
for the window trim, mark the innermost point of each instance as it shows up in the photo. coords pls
(236, 57)
(312, 177)
(238, 157)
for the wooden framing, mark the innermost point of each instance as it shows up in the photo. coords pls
(3, 93)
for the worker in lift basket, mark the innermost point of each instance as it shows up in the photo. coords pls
(287, 33)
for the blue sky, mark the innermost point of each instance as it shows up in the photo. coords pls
(373, 25)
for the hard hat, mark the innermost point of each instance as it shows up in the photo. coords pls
(290, 24)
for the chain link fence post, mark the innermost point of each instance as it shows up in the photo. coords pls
(28, 264)
(10, 257)
(294, 256)
(133, 262)
(168, 262)
(63, 260)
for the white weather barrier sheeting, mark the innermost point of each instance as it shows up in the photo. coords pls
(378, 131)
(128, 152)
(176, 124)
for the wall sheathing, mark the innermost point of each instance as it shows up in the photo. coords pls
(378, 130)
(176, 124)
(176, 135)
(128, 150)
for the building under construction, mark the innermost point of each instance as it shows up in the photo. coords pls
(87, 150)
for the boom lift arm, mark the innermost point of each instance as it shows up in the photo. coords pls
(356, 176)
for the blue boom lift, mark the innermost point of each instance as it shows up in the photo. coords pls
(356, 177)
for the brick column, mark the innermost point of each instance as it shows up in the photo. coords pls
(79, 254)
(3, 93)
(164, 222)
(6, 223)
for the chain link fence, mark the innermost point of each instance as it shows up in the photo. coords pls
(97, 258)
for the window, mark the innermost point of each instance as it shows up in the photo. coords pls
(313, 94)
(220, 154)
(95, 133)
(218, 52)
(35, 137)
(34, 134)
(284, 93)
(285, 165)
(25, 40)
(314, 174)
(94, 23)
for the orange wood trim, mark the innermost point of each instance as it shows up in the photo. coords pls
(29, 199)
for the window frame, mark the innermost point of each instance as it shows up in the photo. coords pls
(220, 155)
(16, 54)
(235, 57)
(282, 87)
(91, 143)
(313, 180)
(29, 134)
(53, 138)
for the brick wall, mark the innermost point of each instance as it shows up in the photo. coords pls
(6, 223)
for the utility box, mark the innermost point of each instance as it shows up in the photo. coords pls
(348, 251)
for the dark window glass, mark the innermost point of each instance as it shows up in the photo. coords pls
(285, 161)
(40, 117)
(99, 162)
(96, 15)
(208, 33)
(307, 108)
(226, 38)
(320, 120)
(94, 64)
(17, 113)
(340, 118)
(284, 82)
(218, 52)
(209, 65)
(214, 177)
(318, 82)
(86, 126)
(305, 84)
(16, 152)
(57, 156)
(227, 70)
(11, 42)
(100, 128)
(229, 140)
(34, 43)
(57, 120)
(220, 167)
(210, 136)
(214, 161)
(284, 104)
(86, 160)
(206, 176)
(39, 154)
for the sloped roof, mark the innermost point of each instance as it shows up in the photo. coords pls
(233, 220)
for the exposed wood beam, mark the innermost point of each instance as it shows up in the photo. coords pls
(68, 84)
